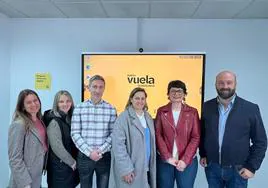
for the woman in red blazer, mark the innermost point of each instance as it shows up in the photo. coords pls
(177, 130)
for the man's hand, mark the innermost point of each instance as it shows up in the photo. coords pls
(95, 155)
(181, 165)
(173, 161)
(245, 173)
(129, 178)
(203, 162)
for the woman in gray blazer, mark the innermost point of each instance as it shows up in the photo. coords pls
(27, 142)
(133, 145)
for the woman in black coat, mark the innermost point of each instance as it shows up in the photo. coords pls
(61, 166)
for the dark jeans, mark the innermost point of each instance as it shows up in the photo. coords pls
(167, 174)
(148, 178)
(87, 167)
(224, 177)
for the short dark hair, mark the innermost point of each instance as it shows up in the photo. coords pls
(96, 77)
(177, 84)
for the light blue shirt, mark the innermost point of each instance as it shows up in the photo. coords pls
(223, 115)
(147, 139)
(148, 145)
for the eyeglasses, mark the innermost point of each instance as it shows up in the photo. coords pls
(174, 91)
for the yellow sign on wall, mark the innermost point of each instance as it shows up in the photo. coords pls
(153, 72)
(42, 81)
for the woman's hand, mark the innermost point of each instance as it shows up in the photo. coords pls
(74, 166)
(181, 165)
(129, 178)
(173, 161)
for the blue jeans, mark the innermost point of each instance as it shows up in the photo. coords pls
(224, 177)
(167, 174)
(87, 167)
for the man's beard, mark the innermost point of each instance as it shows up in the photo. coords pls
(226, 93)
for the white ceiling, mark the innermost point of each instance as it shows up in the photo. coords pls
(189, 9)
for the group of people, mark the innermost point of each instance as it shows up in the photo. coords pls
(133, 150)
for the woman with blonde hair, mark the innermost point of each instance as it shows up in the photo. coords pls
(27, 142)
(133, 145)
(61, 168)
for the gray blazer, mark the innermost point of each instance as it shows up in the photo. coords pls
(26, 156)
(128, 151)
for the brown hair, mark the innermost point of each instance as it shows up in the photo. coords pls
(131, 95)
(21, 113)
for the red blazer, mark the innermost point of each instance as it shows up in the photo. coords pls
(186, 133)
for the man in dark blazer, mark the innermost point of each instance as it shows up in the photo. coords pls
(233, 138)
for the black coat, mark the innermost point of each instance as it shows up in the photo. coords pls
(60, 174)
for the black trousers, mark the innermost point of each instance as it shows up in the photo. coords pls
(148, 177)
(87, 167)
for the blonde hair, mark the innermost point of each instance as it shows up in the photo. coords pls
(55, 107)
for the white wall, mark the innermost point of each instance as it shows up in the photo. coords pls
(4, 98)
(55, 46)
(2, 16)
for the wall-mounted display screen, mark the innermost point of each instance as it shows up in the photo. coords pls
(153, 72)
